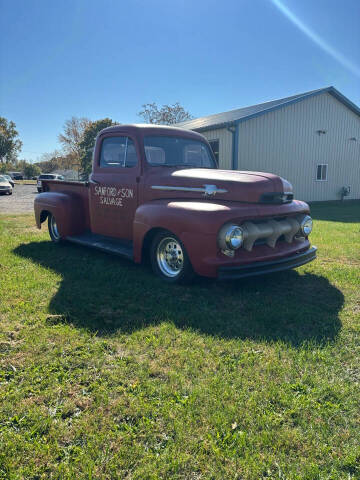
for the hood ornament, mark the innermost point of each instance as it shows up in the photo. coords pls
(212, 190)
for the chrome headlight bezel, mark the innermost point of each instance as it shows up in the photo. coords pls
(306, 226)
(231, 237)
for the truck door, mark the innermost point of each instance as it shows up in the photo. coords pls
(113, 186)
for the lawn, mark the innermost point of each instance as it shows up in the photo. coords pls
(107, 373)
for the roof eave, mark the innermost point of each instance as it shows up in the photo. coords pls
(339, 96)
(331, 90)
(216, 126)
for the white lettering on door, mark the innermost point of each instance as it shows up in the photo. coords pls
(112, 196)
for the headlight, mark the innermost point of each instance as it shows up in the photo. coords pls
(306, 225)
(231, 237)
(234, 237)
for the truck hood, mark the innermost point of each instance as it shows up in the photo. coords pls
(230, 185)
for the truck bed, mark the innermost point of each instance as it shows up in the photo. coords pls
(76, 187)
(77, 192)
(54, 183)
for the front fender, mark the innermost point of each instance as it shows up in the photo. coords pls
(68, 211)
(195, 223)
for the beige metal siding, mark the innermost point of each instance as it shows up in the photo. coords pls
(286, 143)
(225, 146)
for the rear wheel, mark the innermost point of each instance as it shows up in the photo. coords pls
(169, 259)
(53, 229)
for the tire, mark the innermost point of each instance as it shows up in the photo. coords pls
(39, 190)
(10, 193)
(169, 259)
(53, 230)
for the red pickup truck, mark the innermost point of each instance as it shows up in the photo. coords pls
(156, 192)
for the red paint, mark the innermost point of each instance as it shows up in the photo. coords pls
(120, 202)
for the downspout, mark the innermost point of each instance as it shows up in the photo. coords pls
(234, 129)
(236, 146)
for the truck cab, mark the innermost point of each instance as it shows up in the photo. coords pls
(157, 192)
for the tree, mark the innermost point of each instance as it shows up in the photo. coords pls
(88, 143)
(31, 170)
(6, 167)
(166, 115)
(72, 136)
(10, 145)
(50, 161)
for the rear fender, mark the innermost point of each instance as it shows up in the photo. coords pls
(66, 208)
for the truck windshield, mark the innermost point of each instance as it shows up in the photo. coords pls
(177, 152)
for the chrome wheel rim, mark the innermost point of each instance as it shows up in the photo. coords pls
(54, 228)
(170, 257)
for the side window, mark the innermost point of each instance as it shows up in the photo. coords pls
(118, 152)
(321, 172)
(131, 158)
(214, 144)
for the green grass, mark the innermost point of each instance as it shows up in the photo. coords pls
(107, 373)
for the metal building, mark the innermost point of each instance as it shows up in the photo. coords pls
(311, 139)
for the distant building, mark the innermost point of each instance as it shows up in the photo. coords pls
(311, 139)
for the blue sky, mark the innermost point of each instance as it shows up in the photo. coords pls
(106, 58)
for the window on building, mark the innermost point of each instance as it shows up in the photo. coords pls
(321, 172)
(118, 152)
(214, 144)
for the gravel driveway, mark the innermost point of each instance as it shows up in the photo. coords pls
(21, 201)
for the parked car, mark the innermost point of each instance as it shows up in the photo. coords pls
(10, 180)
(16, 175)
(5, 186)
(156, 192)
(47, 176)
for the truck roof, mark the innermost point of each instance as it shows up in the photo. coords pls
(152, 129)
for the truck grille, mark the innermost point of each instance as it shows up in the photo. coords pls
(277, 197)
(269, 232)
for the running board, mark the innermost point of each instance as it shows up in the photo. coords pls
(105, 244)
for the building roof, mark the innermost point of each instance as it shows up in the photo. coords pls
(232, 117)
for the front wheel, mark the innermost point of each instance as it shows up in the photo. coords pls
(169, 259)
(53, 229)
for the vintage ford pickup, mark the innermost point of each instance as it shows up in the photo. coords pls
(156, 192)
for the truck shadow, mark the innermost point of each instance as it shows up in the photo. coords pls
(336, 211)
(105, 294)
